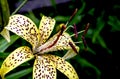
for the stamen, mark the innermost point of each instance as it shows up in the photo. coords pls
(75, 31)
(71, 16)
(84, 41)
(83, 36)
(86, 29)
(73, 47)
(68, 27)
(60, 33)
(78, 42)
(62, 29)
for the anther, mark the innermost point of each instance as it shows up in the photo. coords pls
(83, 36)
(73, 47)
(86, 29)
(71, 16)
(84, 41)
(75, 31)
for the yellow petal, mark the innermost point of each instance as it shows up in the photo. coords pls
(43, 68)
(24, 27)
(5, 34)
(17, 57)
(46, 27)
(54, 44)
(71, 53)
(64, 67)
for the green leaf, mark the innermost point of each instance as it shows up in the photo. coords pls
(53, 3)
(19, 74)
(114, 22)
(3, 55)
(84, 63)
(4, 13)
(4, 44)
(91, 50)
(91, 11)
(101, 41)
(61, 18)
(103, 44)
(100, 25)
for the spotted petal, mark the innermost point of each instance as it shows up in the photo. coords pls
(46, 27)
(71, 53)
(61, 43)
(43, 68)
(24, 27)
(17, 57)
(64, 67)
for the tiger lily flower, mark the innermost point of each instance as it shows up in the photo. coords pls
(45, 64)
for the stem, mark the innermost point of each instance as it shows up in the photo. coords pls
(21, 5)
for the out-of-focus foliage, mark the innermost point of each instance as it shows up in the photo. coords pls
(93, 63)
(4, 18)
(4, 14)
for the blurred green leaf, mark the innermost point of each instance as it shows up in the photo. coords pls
(4, 18)
(116, 6)
(19, 74)
(91, 50)
(100, 25)
(53, 3)
(84, 63)
(4, 44)
(61, 18)
(4, 14)
(101, 41)
(103, 44)
(91, 11)
(114, 22)
(1, 27)
(3, 55)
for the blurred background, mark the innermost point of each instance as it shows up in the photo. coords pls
(102, 38)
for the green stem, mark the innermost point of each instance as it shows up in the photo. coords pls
(21, 5)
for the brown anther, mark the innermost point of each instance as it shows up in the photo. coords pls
(84, 41)
(73, 14)
(73, 47)
(75, 31)
(86, 29)
(61, 32)
(83, 36)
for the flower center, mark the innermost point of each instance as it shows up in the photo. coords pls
(39, 50)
